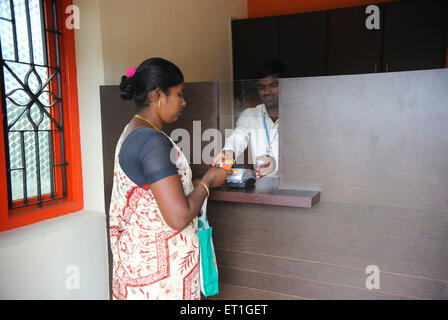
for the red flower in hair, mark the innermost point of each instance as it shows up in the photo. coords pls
(131, 71)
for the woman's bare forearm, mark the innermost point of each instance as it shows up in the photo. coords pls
(195, 201)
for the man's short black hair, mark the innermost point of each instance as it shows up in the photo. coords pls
(272, 67)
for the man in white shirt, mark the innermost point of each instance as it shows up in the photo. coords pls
(258, 126)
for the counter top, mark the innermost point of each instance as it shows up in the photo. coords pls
(266, 191)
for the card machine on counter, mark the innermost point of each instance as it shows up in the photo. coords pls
(241, 178)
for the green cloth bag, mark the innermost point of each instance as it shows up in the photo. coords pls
(208, 269)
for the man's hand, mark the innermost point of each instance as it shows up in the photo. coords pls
(226, 156)
(267, 167)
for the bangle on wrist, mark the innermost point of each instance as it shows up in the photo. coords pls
(206, 188)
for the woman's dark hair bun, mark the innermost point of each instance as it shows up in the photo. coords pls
(126, 88)
(151, 74)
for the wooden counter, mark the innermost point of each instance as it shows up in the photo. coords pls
(266, 191)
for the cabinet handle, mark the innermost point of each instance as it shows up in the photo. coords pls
(387, 67)
(375, 66)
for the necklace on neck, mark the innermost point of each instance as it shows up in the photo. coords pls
(139, 117)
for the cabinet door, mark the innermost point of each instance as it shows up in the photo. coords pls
(352, 47)
(254, 42)
(415, 35)
(302, 44)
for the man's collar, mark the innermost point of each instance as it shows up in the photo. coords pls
(264, 112)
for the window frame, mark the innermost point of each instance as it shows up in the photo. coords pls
(14, 218)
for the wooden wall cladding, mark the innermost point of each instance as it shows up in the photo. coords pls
(270, 252)
(378, 139)
(202, 105)
(115, 114)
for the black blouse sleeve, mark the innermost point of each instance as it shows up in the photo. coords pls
(145, 156)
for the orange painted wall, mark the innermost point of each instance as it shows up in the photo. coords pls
(265, 8)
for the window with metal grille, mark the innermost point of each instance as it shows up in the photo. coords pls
(32, 102)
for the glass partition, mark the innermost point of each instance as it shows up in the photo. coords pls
(246, 127)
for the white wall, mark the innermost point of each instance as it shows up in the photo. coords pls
(194, 34)
(90, 72)
(36, 259)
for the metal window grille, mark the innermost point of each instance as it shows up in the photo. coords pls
(31, 100)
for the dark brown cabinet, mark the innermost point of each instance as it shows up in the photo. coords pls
(412, 35)
(302, 44)
(415, 35)
(352, 47)
(254, 41)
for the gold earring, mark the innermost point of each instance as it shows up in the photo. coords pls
(159, 103)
